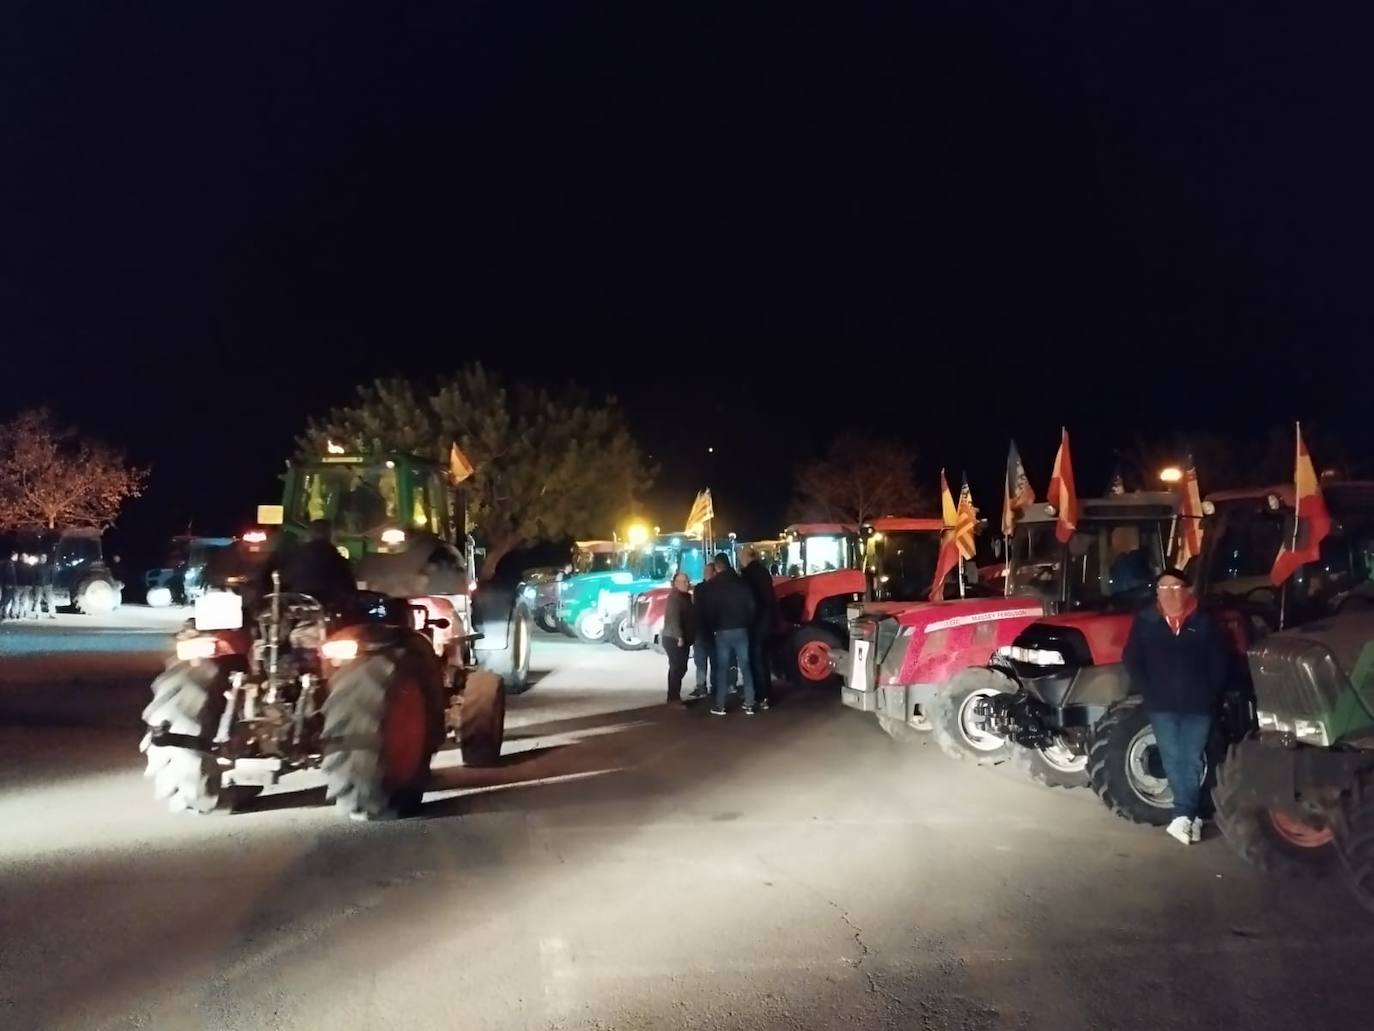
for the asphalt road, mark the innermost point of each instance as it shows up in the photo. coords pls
(633, 866)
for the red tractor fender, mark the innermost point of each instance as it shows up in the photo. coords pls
(799, 596)
(949, 636)
(1105, 632)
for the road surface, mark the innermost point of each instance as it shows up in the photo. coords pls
(634, 866)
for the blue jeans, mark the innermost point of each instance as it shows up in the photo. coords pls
(1182, 738)
(732, 649)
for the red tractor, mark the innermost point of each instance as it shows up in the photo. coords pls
(904, 648)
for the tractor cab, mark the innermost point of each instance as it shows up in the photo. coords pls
(599, 556)
(1244, 530)
(819, 548)
(899, 557)
(374, 503)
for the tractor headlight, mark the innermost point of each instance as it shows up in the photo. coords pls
(529, 593)
(1311, 732)
(1033, 656)
(393, 535)
(340, 650)
(1271, 721)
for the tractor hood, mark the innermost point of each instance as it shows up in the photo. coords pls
(931, 616)
(1105, 633)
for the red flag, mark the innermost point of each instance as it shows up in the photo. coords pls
(1190, 516)
(1063, 495)
(949, 542)
(1311, 520)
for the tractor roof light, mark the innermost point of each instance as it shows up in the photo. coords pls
(1170, 474)
(255, 537)
(393, 535)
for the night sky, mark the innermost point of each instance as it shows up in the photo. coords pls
(756, 230)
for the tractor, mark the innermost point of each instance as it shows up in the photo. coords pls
(821, 578)
(904, 648)
(365, 689)
(597, 605)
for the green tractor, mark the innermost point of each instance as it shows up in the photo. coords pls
(366, 690)
(596, 605)
(1298, 797)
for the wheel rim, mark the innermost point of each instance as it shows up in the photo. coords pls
(589, 625)
(1063, 759)
(403, 734)
(1297, 832)
(98, 597)
(1145, 772)
(625, 630)
(521, 651)
(813, 660)
(971, 726)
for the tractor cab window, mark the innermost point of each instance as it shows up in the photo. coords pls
(585, 561)
(820, 554)
(654, 563)
(73, 551)
(1033, 559)
(427, 504)
(357, 500)
(1241, 550)
(902, 565)
(1115, 563)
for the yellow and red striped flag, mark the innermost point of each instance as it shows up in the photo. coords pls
(1311, 519)
(1063, 493)
(1189, 516)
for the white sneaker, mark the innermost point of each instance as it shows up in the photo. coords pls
(1195, 832)
(1181, 829)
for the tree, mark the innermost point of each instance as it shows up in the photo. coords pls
(859, 479)
(50, 476)
(1224, 463)
(547, 464)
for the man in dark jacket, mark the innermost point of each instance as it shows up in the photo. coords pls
(679, 632)
(1177, 661)
(9, 584)
(705, 643)
(44, 592)
(730, 613)
(26, 596)
(760, 583)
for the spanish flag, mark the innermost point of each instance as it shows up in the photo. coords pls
(1311, 520)
(1189, 516)
(1063, 494)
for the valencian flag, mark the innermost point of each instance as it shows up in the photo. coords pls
(1311, 520)
(1063, 494)
(957, 539)
(1016, 491)
(703, 511)
(1189, 515)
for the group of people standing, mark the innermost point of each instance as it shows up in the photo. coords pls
(26, 586)
(727, 624)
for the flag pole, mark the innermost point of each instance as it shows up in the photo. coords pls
(961, 575)
(1006, 565)
(1293, 542)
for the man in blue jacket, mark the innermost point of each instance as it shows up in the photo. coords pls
(1177, 662)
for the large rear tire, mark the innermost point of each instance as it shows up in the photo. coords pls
(955, 724)
(624, 635)
(1276, 841)
(1354, 841)
(379, 732)
(482, 720)
(1124, 766)
(98, 596)
(807, 655)
(1053, 767)
(188, 699)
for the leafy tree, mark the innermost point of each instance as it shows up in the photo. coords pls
(49, 476)
(547, 464)
(859, 478)
(1226, 462)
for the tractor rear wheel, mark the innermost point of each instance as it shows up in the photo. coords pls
(98, 596)
(807, 654)
(958, 729)
(1276, 841)
(379, 733)
(482, 719)
(624, 635)
(188, 699)
(547, 619)
(1125, 768)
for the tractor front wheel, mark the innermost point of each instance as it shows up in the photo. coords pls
(590, 627)
(482, 719)
(188, 699)
(625, 635)
(1277, 841)
(959, 729)
(808, 657)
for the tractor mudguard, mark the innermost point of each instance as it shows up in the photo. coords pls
(1277, 776)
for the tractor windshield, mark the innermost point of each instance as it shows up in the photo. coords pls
(654, 563)
(820, 554)
(587, 561)
(902, 565)
(1033, 560)
(1114, 564)
(356, 499)
(1244, 541)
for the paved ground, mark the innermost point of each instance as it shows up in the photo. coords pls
(633, 866)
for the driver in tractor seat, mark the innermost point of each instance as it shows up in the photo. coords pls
(318, 569)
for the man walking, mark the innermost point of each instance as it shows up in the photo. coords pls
(9, 585)
(760, 583)
(26, 604)
(1177, 662)
(730, 612)
(679, 631)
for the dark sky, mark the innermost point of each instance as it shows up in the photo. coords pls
(756, 229)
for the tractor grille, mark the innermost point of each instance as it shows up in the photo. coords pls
(1295, 676)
